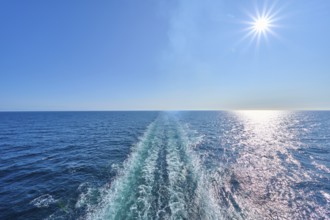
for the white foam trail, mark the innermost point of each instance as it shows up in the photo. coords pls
(161, 179)
(193, 197)
(177, 173)
(120, 200)
(144, 201)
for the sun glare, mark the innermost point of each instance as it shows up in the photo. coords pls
(261, 24)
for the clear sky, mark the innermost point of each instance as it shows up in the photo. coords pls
(164, 54)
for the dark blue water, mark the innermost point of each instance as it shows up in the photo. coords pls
(165, 165)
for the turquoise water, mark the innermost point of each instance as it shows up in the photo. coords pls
(165, 165)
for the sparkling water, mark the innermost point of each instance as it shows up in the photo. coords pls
(165, 165)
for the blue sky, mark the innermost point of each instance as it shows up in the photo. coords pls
(165, 54)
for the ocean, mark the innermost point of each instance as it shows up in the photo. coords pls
(165, 165)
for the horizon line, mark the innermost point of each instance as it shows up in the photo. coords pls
(162, 110)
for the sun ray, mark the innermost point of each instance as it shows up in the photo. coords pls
(262, 24)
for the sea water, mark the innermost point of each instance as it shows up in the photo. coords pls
(165, 165)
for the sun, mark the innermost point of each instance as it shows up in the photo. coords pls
(261, 24)
(260, 27)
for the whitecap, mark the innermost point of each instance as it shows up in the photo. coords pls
(43, 201)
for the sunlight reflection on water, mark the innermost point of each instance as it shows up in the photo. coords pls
(266, 170)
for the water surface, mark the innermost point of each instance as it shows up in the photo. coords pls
(165, 165)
